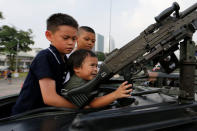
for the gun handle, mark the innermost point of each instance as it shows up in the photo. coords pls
(167, 12)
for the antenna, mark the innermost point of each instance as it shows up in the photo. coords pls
(110, 24)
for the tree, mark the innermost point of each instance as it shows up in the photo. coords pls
(101, 56)
(10, 38)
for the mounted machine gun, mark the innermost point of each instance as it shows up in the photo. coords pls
(156, 42)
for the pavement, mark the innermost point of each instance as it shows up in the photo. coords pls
(9, 89)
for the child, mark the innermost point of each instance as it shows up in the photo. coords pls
(48, 70)
(9, 76)
(83, 64)
(85, 38)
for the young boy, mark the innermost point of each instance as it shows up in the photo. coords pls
(48, 70)
(85, 38)
(83, 64)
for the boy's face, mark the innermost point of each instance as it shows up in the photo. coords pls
(85, 40)
(64, 38)
(88, 69)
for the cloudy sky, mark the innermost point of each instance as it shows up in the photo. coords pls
(128, 17)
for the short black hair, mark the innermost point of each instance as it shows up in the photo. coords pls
(59, 19)
(87, 29)
(76, 58)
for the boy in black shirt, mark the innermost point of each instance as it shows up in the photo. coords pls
(48, 70)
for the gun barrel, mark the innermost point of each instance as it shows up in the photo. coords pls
(188, 10)
(163, 75)
(145, 92)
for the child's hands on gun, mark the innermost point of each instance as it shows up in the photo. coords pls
(122, 91)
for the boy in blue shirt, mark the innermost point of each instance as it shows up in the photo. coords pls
(48, 70)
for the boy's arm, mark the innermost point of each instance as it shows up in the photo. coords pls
(103, 100)
(121, 92)
(50, 96)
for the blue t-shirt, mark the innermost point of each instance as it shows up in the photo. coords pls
(47, 64)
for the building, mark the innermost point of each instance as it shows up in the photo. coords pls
(112, 44)
(3, 63)
(109, 47)
(24, 59)
(99, 44)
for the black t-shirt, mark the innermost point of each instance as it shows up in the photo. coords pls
(47, 64)
(9, 74)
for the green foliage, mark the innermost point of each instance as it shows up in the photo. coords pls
(101, 56)
(10, 38)
(22, 74)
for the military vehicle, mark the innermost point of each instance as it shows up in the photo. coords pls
(165, 107)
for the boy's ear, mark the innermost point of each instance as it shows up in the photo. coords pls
(48, 35)
(76, 69)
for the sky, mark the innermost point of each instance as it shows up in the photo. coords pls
(128, 17)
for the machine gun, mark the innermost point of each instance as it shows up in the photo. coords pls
(156, 42)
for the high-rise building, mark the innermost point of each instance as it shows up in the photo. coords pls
(112, 44)
(99, 44)
(109, 47)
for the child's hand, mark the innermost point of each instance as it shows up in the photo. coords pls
(122, 91)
